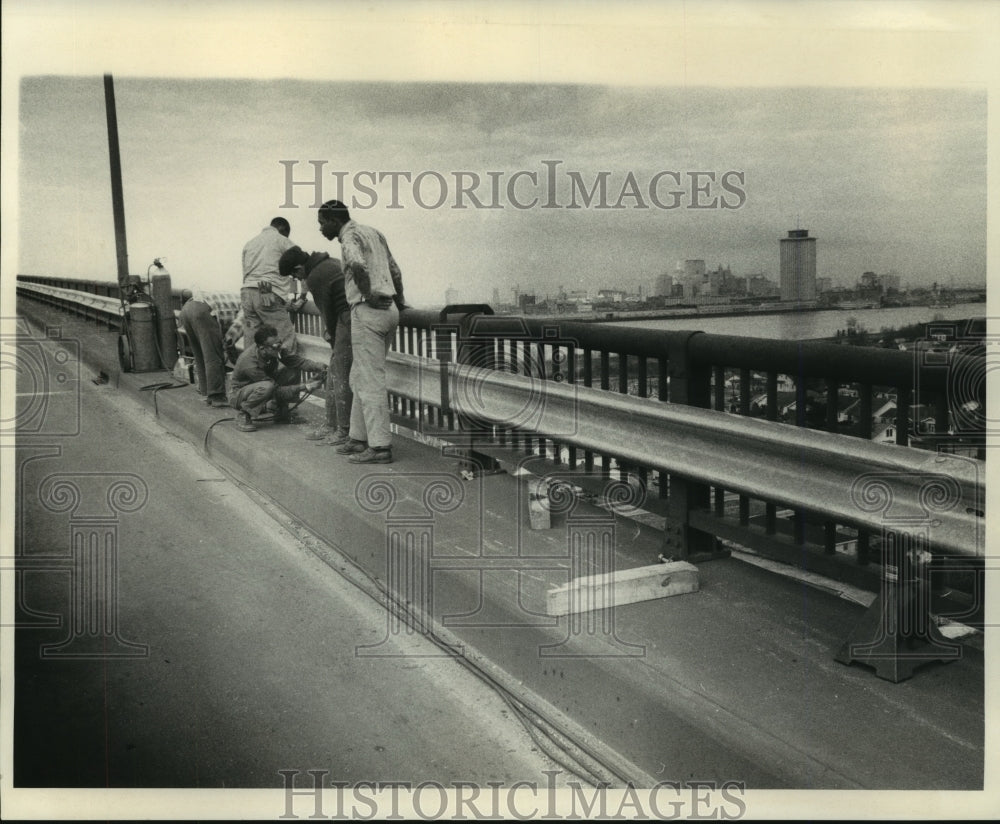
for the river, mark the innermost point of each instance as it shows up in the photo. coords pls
(809, 325)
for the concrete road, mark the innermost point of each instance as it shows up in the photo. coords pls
(246, 661)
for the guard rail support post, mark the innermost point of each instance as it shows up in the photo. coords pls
(690, 384)
(474, 346)
(898, 633)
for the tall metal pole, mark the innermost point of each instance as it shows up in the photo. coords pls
(117, 201)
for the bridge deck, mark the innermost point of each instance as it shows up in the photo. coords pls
(736, 682)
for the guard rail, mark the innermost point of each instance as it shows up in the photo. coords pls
(528, 387)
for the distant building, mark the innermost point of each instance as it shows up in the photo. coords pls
(664, 285)
(694, 268)
(798, 266)
(611, 295)
(721, 282)
(761, 286)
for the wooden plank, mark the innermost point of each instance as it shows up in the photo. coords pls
(625, 586)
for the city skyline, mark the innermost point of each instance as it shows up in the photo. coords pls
(496, 184)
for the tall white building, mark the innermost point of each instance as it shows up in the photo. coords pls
(798, 266)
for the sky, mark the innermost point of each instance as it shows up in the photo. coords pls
(886, 179)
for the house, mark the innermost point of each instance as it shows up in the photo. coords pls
(885, 412)
(884, 433)
(848, 409)
(786, 404)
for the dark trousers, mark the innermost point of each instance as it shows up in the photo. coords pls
(254, 396)
(205, 337)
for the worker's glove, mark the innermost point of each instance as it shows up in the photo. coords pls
(296, 304)
(379, 301)
(401, 304)
(266, 296)
(313, 385)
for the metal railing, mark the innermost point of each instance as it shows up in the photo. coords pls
(691, 368)
(651, 407)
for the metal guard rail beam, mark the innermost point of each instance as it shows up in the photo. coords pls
(109, 307)
(855, 482)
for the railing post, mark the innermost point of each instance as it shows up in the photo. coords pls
(897, 633)
(472, 348)
(690, 384)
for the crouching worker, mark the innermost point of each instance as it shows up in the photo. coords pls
(264, 375)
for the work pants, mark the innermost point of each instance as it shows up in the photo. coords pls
(205, 337)
(339, 397)
(372, 330)
(256, 314)
(252, 397)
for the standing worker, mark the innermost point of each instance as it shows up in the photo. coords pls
(325, 281)
(201, 325)
(265, 293)
(373, 285)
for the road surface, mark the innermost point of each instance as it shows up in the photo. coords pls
(250, 663)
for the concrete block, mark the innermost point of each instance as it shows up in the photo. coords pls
(626, 586)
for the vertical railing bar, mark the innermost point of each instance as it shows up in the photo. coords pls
(941, 422)
(830, 537)
(719, 404)
(864, 428)
(719, 379)
(863, 552)
(832, 404)
(903, 399)
(744, 391)
(571, 378)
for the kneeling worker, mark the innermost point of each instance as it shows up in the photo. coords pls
(265, 373)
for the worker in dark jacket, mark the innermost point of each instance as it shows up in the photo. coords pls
(325, 281)
(265, 373)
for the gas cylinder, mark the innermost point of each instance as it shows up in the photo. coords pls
(138, 346)
(166, 322)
